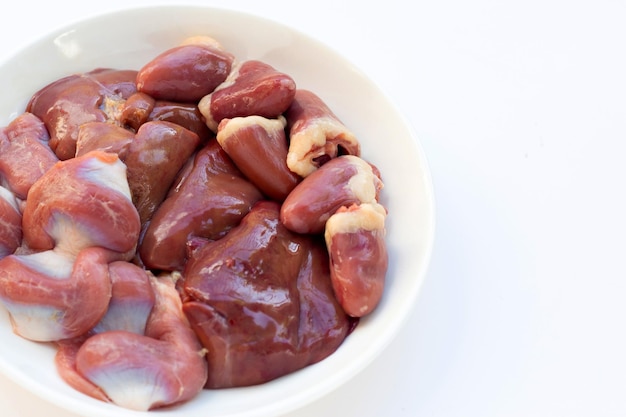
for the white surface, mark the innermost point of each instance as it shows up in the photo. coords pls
(521, 109)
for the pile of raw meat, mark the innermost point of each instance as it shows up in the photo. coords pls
(197, 223)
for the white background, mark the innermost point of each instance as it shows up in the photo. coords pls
(521, 110)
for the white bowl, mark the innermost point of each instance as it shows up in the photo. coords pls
(127, 40)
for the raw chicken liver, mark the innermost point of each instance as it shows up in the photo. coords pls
(261, 301)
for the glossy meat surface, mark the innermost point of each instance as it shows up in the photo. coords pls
(67, 103)
(252, 88)
(355, 239)
(210, 198)
(342, 181)
(80, 203)
(103, 136)
(261, 301)
(317, 135)
(156, 155)
(153, 156)
(186, 72)
(186, 115)
(167, 244)
(25, 153)
(141, 108)
(52, 296)
(258, 146)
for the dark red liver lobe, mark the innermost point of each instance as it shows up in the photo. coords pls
(261, 302)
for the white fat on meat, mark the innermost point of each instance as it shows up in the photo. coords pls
(204, 105)
(365, 184)
(366, 216)
(237, 123)
(311, 142)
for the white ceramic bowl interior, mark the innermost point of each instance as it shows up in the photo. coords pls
(127, 40)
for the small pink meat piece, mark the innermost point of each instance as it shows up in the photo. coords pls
(355, 238)
(132, 299)
(25, 153)
(10, 223)
(136, 110)
(67, 103)
(258, 146)
(187, 72)
(80, 203)
(316, 134)
(252, 88)
(261, 302)
(141, 108)
(104, 136)
(342, 181)
(210, 198)
(166, 366)
(52, 296)
(186, 115)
